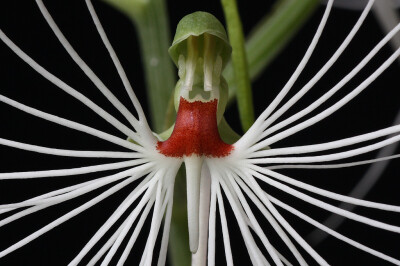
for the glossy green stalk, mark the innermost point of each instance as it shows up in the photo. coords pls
(151, 20)
(270, 36)
(239, 62)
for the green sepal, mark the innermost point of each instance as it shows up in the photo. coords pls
(166, 134)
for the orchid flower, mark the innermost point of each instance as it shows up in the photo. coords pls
(228, 180)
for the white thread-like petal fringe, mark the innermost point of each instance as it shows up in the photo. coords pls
(326, 206)
(331, 166)
(65, 217)
(69, 153)
(328, 194)
(225, 232)
(71, 124)
(143, 126)
(85, 68)
(272, 221)
(72, 171)
(253, 132)
(66, 88)
(334, 233)
(316, 77)
(327, 112)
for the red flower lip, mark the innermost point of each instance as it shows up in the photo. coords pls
(195, 132)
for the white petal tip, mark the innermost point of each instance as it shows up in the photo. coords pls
(193, 166)
(207, 88)
(194, 246)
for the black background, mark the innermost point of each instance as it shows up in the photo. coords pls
(374, 109)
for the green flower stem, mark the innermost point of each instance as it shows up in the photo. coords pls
(151, 21)
(270, 36)
(239, 61)
(178, 246)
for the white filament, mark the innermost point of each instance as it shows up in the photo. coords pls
(142, 127)
(68, 153)
(225, 232)
(270, 219)
(85, 68)
(331, 166)
(71, 124)
(135, 233)
(253, 131)
(326, 206)
(318, 76)
(334, 233)
(65, 218)
(62, 85)
(328, 194)
(72, 171)
(144, 185)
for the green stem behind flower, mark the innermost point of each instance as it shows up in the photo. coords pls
(151, 21)
(239, 62)
(270, 36)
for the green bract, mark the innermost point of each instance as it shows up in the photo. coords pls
(196, 24)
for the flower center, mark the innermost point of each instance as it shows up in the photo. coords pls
(196, 126)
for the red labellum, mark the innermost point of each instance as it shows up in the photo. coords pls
(195, 132)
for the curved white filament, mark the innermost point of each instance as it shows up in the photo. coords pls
(65, 217)
(264, 197)
(329, 157)
(235, 207)
(225, 232)
(167, 224)
(66, 88)
(71, 124)
(326, 206)
(83, 190)
(69, 153)
(85, 68)
(108, 244)
(270, 219)
(328, 145)
(253, 132)
(318, 76)
(311, 121)
(143, 126)
(72, 171)
(331, 166)
(144, 185)
(328, 194)
(147, 197)
(253, 251)
(42, 203)
(135, 233)
(334, 233)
